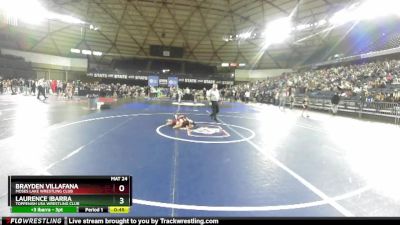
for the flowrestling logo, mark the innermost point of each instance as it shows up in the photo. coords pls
(153, 81)
(210, 131)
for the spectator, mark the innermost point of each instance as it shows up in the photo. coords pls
(305, 106)
(247, 96)
(335, 103)
(1, 86)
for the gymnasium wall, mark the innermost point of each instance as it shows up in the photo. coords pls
(39, 60)
(52, 74)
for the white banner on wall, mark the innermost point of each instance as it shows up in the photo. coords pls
(161, 80)
(248, 75)
(64, 62)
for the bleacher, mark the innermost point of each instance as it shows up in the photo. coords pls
(11, 67)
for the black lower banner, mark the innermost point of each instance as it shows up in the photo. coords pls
(139, 221)
(200, 220)
(34, 220)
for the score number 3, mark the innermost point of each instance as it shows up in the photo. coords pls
(121, 188)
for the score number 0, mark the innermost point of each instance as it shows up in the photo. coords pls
(121, 188)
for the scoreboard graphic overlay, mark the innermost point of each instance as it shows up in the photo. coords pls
(70, 194)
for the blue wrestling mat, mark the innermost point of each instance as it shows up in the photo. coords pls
(257, 161)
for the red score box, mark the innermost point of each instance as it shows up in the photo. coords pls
(69, 185)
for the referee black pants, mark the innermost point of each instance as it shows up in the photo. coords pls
(215, 109)
(41, 92)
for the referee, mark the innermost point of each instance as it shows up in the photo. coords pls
(213, 96)
(41, 90)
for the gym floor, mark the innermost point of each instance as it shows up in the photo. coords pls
(266, 162)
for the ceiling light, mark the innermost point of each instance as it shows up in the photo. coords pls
(96, 53)
(33, 12)
(278, 30)
(74, 50)
(86, 52)
(246, 35)
(30, 11)
(322, 22)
